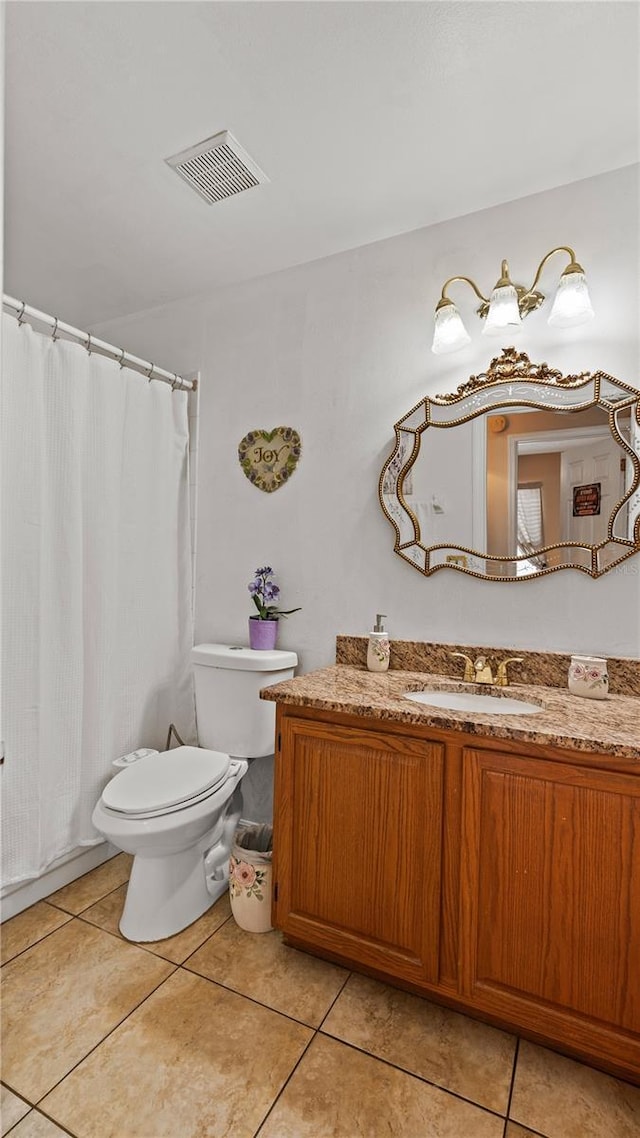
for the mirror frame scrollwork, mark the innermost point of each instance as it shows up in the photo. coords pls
(511, 380)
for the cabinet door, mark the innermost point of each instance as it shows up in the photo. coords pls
(357, 842)
(550, 913)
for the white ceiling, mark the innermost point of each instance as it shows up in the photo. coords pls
(370, 119)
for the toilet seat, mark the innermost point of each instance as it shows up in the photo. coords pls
(162, 783)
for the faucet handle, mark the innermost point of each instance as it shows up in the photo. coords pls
(469, 673)
(501, 675)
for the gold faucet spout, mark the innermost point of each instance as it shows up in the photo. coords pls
(502, 678)
(469, 674)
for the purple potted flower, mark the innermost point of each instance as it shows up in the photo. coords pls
(263, 628)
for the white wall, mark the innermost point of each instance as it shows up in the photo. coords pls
(339, 349)
(2, 68)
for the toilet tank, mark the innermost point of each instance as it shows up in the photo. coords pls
(231, 715)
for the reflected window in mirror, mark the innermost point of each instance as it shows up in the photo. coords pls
(529, 528)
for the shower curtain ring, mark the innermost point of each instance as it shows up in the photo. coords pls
(89, 343)
(150, 372)
(121, 360)
(21, 314)
(54, 334)
(176, 379)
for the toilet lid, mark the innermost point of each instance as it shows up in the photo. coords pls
(158, 782)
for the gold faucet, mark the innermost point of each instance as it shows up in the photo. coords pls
(479, 671)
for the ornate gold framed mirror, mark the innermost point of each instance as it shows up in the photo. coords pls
(520, 472)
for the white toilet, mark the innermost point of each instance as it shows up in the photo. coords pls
(177, 811)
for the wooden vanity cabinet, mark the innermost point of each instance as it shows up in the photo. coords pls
(503, 879)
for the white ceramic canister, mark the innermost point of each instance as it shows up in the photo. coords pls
(588, 677)
(250, 881)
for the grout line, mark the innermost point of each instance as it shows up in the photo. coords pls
(252, 999)
(61, 1128)
(39, 940)
(115, 1027)
(376, 1058)
(91, 904)
(318, 1030)
(64, 1129)
(144, 944)
(338, 1039)
(413, 1075)
(333, 1002)
(80, 916)
(11, 1130)
(18, 1094)
(123, 940)
(511, 1085)
(285, 1084)
(301, 1057)
(68, 886)
(528, 1130)
(206, 940)
(96, 900)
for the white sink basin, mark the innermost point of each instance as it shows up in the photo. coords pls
(469, 701)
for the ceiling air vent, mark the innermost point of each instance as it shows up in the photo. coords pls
(217, 168)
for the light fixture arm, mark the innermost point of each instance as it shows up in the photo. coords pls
(572, 267)
(444, 299)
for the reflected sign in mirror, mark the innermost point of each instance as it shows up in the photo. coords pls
(521, 472)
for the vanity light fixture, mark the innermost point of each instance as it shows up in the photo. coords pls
(509, 303)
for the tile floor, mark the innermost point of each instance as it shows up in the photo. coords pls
(217, 1033)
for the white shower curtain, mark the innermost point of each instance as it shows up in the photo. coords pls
(96, 585)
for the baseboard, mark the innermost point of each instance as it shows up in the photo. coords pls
(63, 871)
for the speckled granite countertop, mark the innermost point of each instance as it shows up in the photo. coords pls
(610, 726)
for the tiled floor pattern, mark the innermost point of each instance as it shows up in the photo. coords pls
(217, 1033)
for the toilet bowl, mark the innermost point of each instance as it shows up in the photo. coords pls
(177, 811)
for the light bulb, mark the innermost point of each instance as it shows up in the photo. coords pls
(503, 311)
(449, 333)
(572, 304)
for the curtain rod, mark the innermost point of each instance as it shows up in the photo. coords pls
(24, 312)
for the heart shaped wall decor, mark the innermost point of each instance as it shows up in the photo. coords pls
(269, 458)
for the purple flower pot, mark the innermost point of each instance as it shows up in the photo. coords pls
(262, 633)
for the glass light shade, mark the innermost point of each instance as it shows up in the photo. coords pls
(449, 332)
(503, 311)
(572, 304)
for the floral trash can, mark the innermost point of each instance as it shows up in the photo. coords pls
(250, 878)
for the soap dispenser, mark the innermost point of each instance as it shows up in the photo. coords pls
(378, 647)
